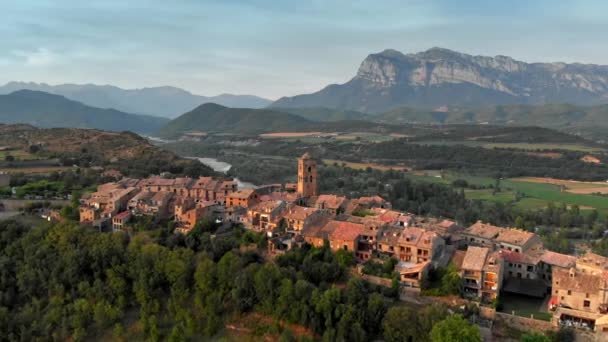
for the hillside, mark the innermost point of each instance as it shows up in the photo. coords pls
(438, 77)
(158, 101)
(585, 121)
(125, 151)
(325, 114)
(47, 110)
(211, 117)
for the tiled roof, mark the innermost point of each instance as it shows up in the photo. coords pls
(514, 236)
(161, 196)
(593, 260)
(242, 194)
(577, 281)
(558, 259)
(299, 213)
(122, 215)
(486, 231)
(346, 231)
(475, 258)
(330, 201)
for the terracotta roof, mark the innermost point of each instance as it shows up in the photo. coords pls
(306, 156)
(558, 259)
(329, 201)
(593, 260)
(243, 194)
(321, 229)
(475, 258)
(579, 281)
(142, 196)
(122, 215)
(346, 231)
(515, 236)
(161, 196)
(267, 206)
(299, 213)
(486, 231)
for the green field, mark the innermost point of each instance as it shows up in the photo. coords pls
(18, 154)
(519, 146)
(535, 195)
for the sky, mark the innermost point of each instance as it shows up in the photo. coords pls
(274, 48)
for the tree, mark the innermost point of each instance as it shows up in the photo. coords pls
(396, 330)
(455, 329)
(534, 337)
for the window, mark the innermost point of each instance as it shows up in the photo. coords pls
(556, 291)
(586, 303)
(569, 292)
(586, 295)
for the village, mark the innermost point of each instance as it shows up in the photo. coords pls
(490, 260)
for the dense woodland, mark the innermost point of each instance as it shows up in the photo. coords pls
(495, 162)
(68, 282)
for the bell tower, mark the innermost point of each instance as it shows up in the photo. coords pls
(307, 176)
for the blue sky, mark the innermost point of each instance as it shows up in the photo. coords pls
(275, 48)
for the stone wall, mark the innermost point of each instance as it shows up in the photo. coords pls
(523, 323)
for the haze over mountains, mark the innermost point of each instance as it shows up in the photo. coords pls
(158, 101)
(438, 77)
(46, 110)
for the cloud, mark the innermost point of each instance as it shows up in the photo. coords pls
(40, 57)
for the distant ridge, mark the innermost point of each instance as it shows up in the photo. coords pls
(158, 101)
(438, 77)
(46, 110)
(212, 117)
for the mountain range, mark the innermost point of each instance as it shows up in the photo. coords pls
(158, 101)
(46, 110)
(438, 77)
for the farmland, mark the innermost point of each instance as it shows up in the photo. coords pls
(363, 166)
(524, 193)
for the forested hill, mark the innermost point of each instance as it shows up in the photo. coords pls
(211, 117)
(125, 151)
(47, 110)
(581, 120)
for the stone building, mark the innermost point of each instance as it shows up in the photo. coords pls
(482, 273)
(307, 176)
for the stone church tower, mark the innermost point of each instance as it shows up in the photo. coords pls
(307, 176)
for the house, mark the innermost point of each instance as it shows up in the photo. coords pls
(265, 215)
(297, 217)
(344, 235)
(283, 243)
(522, 273)
(552, 260)
(411, 275)
(481, 234)
(330, 203)
(242, 198)
(516, 240)
(392, 217)
(109, 199)
(51, 215)
(411, 244)
(188, 213)
(482, 273)
(580, 294)
(120, 220)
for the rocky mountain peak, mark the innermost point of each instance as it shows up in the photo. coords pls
(440, 76)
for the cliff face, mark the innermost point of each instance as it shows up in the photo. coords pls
(439, 77)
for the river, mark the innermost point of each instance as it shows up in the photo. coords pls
(223, 167)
